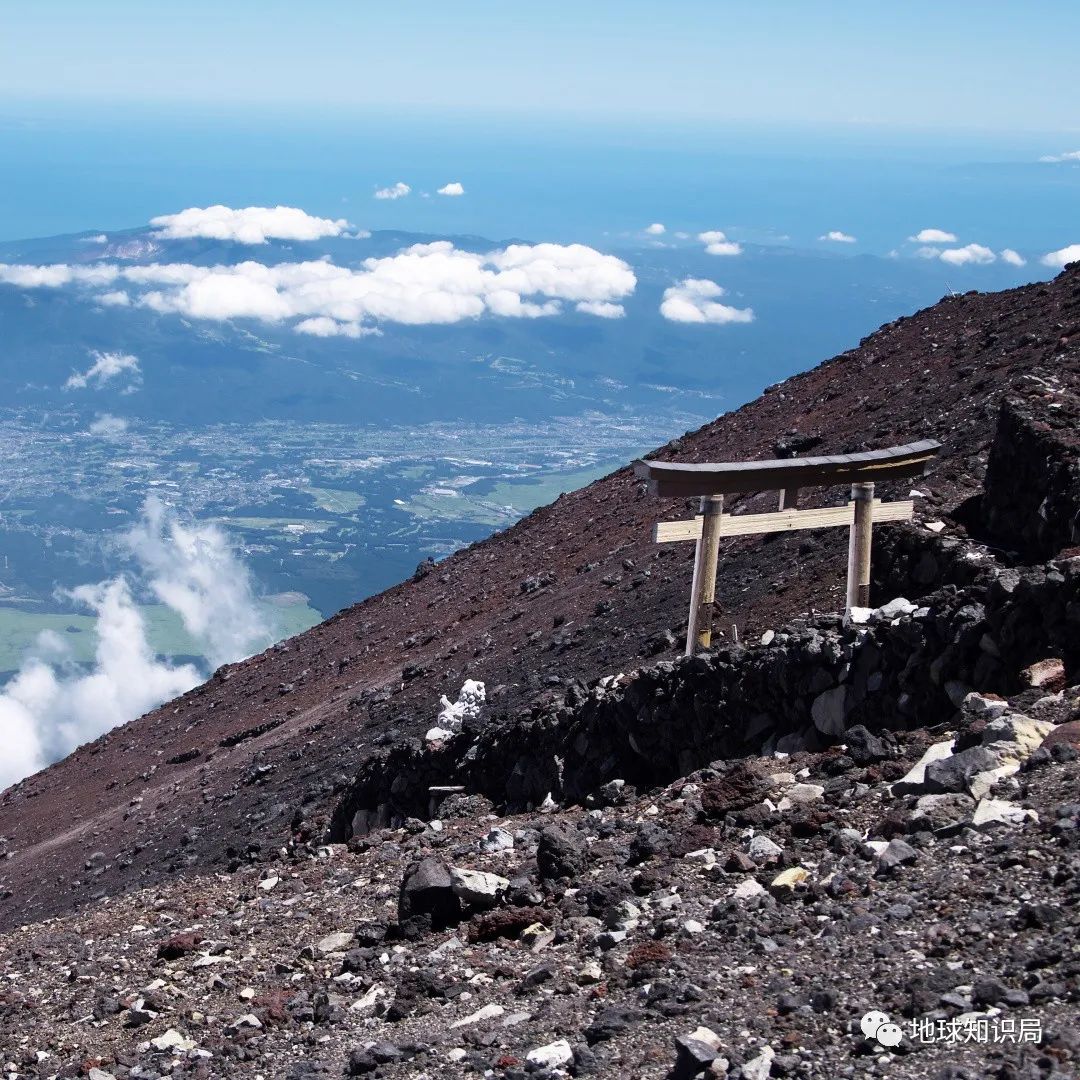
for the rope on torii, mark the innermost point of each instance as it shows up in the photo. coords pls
(712, 481)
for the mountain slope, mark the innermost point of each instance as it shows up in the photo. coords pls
(577, 590)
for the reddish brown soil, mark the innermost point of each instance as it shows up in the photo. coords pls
(331, 695)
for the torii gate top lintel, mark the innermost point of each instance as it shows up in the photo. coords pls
(712, 481)
(679, 480)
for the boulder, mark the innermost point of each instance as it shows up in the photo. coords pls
(555, 1055)
(991, 812)
(915, 779)
(477, 889)
(426, 898)
(828, 711)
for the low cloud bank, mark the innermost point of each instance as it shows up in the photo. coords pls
(423, 284)
(250, 225)
(53, 705)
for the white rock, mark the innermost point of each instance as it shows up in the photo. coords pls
(692, 927)
(859, 616)
(369, 1003)
(934, 526)
(894, 609)
(333, 943)
(496, 840)
(590, 973)
(805, 793)
(172, 1040)
(100, 1074)
(487, 1012)
(761, 848)
(457, 1053)
(707, 1036)
(1001, 812)
(552, 1056)
(477, 888)
(767, 637)
(749, 888)
(248, 1020)
(916, 775)
(983, 707)
(758, 1068)
(437, 735)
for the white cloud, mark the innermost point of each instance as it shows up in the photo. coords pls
(194, 570)
(251, 225)
(838, 237)
(655, 229)
(321, 326)
(694, 300)
(395, 191)
(969, 254)
(116, 298)
(108, 426)
(106, 366)
(52, 705)
(933, 236)
(1062, 256)
(1013, 258)
(426, 283)
(717, 243)
(453, 188)
(1069, 155)
(602, 309)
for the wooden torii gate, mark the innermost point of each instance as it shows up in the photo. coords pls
(712, 481)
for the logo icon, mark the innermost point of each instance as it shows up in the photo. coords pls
(876, 1025)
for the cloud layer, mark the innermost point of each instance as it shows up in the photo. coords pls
(453, 188)
(251, 225)
(51, 706)
(426, 283)
(694, 300)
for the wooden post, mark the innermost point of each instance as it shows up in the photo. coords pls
(703, 589)
(789, 499)
(862, 527)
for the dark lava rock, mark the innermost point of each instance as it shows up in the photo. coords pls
(560, 854)
(693, 1057)
(738, 790)
(953, 773)
(426, 900)
(863, 747)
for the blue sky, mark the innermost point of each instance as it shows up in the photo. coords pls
(959, 65)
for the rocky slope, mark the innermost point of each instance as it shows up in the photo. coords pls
(220, 806)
